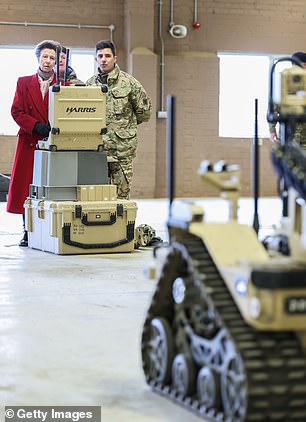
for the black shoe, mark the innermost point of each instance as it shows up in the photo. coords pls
(24, 241)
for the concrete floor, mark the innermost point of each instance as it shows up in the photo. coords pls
(70, 326)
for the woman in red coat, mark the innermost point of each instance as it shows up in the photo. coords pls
(30, 112)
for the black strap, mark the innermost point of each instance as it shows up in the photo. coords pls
(130, 229)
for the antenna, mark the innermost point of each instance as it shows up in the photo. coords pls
(256, 170)
(66, 66)
(170, 149)
(58, 54)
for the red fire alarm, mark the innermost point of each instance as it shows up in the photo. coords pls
(196, 25)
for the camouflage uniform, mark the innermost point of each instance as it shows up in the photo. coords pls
(71, 77)
(127, 105)
(299, 134)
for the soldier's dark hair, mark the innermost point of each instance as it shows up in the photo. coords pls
(52, 45)
(106, 44)
(300, 56)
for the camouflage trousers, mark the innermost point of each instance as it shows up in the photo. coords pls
(120, 173)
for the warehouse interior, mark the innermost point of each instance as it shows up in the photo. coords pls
(190, 72)
(71, 325)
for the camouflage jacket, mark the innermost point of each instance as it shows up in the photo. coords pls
(127, 105)
(71, 77)
(299, 134)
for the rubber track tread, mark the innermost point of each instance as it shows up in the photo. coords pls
(274, 361)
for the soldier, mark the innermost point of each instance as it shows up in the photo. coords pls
(300, 128)
(127, 105)
(71, 76)
(298, 135)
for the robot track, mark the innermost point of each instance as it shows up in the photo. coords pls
(198, 351)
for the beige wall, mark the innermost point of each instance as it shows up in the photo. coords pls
(7, 149)
(191, 72)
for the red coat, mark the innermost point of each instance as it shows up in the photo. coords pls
(28, 108)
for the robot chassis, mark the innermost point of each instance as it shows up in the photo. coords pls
(225, 332)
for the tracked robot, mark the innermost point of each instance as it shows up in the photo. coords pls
(225, 332)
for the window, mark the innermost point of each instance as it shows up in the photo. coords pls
(21, 62)
(243, 78)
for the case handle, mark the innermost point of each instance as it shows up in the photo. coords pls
(130, 229)
(112, 220)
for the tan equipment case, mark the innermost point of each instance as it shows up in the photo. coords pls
(81, 227)
(77, 116)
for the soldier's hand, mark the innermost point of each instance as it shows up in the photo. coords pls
(273, 137)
